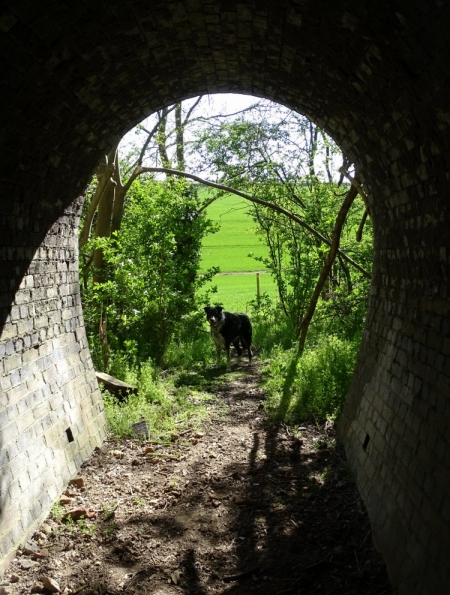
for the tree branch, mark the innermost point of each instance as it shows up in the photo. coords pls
(340, 220)
(355, 182)
(191, 109)
(284, 181)
(104, 173)
(361, 226)
(162, 137)
(151, 134)
(264, 203)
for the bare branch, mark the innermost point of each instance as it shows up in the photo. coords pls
(191, 109)
(150, 135)
(286, 182)
(238, 113)
(355, 182)
(361, 226)
(334, 249)
(264, 203)
(345, 165)
(208, 202)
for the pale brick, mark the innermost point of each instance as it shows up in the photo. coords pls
(384, 99)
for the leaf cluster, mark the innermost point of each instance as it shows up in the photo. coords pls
(287, 162)
(152, 267)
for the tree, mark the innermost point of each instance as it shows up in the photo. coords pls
(286, 166)
(152, 267)
(102, 239)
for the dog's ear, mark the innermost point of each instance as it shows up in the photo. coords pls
(219, 308)
(206, 309)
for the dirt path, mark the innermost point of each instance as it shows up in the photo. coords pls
(239, 508)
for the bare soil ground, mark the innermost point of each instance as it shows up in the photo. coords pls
(241, 507)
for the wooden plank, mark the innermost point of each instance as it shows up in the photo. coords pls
(116, 387)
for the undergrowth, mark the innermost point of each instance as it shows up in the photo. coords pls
(314, 387)
(166, 409)
(179, 394)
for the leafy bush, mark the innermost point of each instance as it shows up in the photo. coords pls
(191, 346)
(165, 410)
(152, 266)
(271, 328)
(313, 387)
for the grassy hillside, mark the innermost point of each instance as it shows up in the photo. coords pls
(231, 249)
(235, 292)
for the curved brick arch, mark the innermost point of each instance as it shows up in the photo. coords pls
(375, 76)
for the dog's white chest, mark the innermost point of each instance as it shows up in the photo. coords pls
(218, 338)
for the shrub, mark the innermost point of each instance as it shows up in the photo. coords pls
(165, 409)
(271, 328)
(313, 387)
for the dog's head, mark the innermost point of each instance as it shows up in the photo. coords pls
(214, 315)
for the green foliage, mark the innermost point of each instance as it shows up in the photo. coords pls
(152, 272)
(154, 295)
(165, 409)
(237, 292)
(57, 511)
(275, 159)
(81, 526)
(296, 257)
(271, 329)
(188, 354)
(236, 244)
(109, 511)
(85, 528)
(313, 387)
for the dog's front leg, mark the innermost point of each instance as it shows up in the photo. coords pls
(228, 351)
(218, 350)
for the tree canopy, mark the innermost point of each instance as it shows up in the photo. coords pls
(145, 219)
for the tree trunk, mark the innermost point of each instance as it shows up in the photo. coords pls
(104, 174)
(361, 226)
(313, 133)
(179, 133)
(103, 230)
(161, 138)
(340, 220)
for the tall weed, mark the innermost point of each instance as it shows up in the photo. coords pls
(313, 387)
(165, 409)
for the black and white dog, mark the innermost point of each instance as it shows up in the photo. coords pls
(227, 329)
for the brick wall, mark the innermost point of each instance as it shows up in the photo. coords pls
(396, 422)
(51, 412)
(74, 77)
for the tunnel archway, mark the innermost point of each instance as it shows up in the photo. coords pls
(374, 76)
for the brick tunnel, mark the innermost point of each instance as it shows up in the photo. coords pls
(76, 76)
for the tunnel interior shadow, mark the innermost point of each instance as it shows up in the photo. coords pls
(282, 517)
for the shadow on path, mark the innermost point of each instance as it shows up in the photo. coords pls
(242, 507)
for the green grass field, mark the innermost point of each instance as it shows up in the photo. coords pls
(233, 246)
(231, 249)
(235, 292)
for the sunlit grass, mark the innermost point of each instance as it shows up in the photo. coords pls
(235, 292)
(233, 247)
(313, 387)
(234, 258)
(166, 409)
